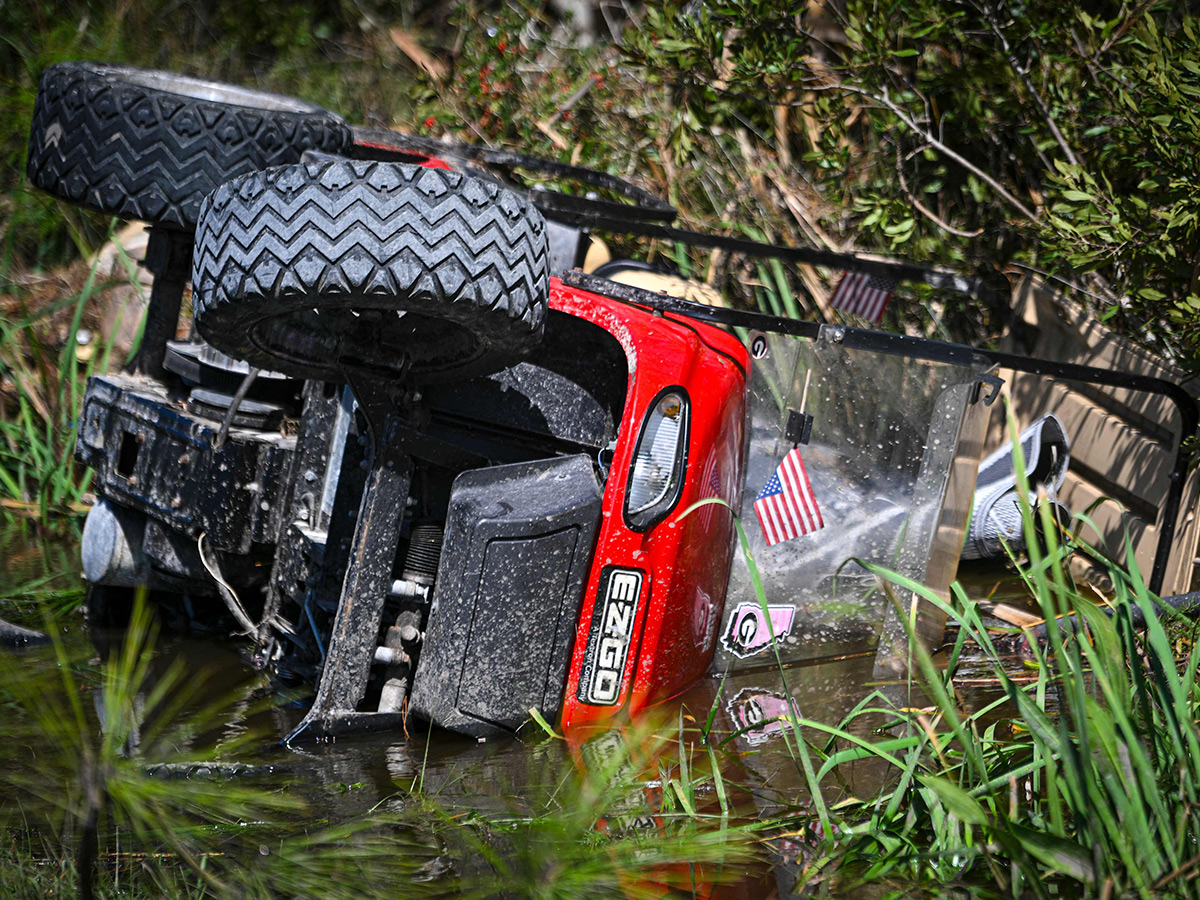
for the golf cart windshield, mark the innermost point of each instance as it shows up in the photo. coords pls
(853, 455)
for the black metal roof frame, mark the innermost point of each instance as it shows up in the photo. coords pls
(937, 352)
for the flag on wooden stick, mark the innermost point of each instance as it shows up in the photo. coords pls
(863, 295)
(786, 507)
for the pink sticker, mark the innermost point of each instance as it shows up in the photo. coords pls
(749, 631)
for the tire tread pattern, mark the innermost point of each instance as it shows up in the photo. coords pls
(137, 152)
(344, 235)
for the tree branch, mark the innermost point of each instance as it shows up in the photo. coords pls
(925, 211)
(934, 142)
(1023, 75)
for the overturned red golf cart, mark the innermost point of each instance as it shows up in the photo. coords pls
(431, 466)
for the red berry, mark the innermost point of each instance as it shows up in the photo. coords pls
(430, 122)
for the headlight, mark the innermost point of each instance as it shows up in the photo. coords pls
(659, 461)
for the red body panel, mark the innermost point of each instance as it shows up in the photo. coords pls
(417, 159)
(685, 558)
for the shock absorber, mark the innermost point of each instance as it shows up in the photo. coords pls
(413, 589)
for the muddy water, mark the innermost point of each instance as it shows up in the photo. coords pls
(498, 780)
(36, 573)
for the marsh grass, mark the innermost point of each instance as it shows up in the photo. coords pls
(88, 782)
(41, 572)
(1083, 781)
(623, 818)
(1080, 778)
(101, 799)
(44, 379)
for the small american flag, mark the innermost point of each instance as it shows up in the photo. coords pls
(786, 507)
(864, 295)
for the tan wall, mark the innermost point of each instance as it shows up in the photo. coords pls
(1122, 442)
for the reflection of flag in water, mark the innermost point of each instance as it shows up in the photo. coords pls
(864, 295)
(786, 507)
(760, 715)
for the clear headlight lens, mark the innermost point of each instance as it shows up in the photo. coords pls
(659, 461)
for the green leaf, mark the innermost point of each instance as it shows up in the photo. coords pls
(673, 46)
(962, 805)
(1058, 853)
(541, 720)
(1035, 718)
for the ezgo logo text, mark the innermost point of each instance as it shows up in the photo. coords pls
(610, 636)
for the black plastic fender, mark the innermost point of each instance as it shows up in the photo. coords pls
(518, 548)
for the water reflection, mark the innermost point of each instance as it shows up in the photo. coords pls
(39, 572)
(654, 779)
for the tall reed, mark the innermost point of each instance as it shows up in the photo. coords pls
(1083, 781)
(45, 385)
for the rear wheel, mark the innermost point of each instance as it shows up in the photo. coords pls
(385, 269)
(147, 144)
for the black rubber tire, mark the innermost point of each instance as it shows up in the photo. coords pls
(305, 268)
(147, 144)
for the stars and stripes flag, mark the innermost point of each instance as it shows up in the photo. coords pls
(864, 295)
(786, 507)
